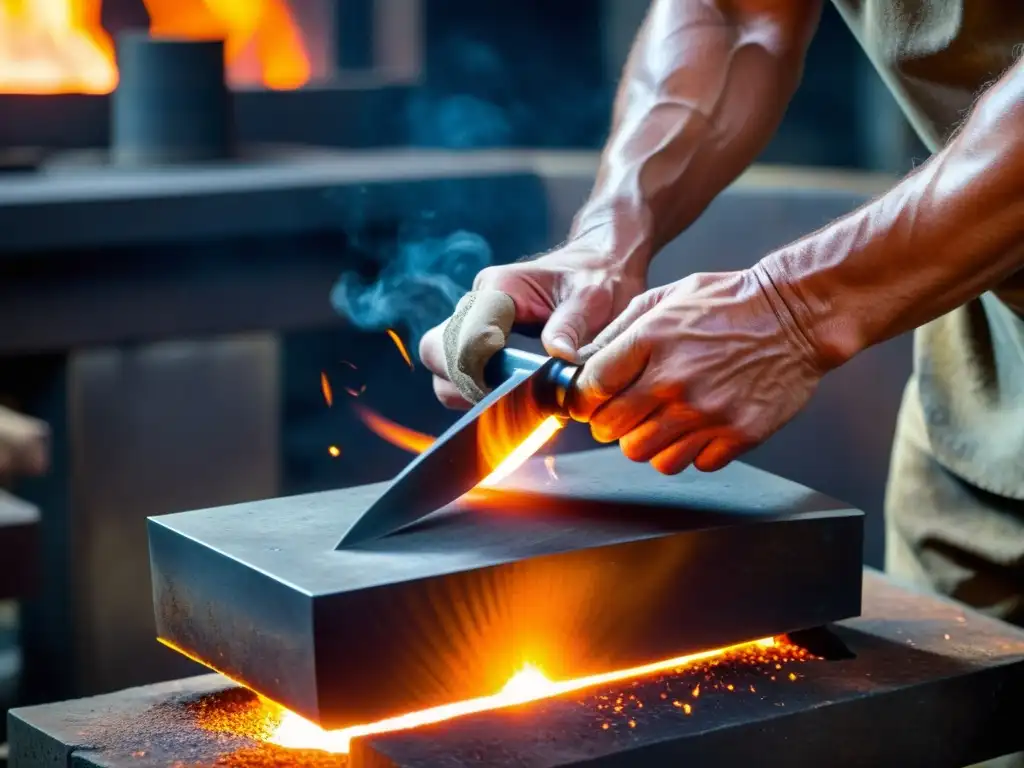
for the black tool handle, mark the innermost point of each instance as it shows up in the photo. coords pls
(506, 362)
(559, 378)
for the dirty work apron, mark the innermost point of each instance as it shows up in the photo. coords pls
(955, 499)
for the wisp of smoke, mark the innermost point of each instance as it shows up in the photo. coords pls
(417, 288)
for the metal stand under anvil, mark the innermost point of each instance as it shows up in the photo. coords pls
(929, 684)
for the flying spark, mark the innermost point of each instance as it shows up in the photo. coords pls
(401, 348)
(325, 387)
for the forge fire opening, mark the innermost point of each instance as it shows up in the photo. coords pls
(62, 46)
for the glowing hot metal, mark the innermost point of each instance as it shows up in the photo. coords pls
(525, 408)
(289, 730)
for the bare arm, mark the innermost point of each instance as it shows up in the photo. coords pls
(947, 233)
(704, 89)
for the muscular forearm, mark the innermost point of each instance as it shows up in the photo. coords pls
(704, 89)
(947, 233)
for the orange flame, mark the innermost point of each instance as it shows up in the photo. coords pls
(528, 685)
(401, 348)
(55, 46)
(399, 436)
(60, 46)
(264, 30)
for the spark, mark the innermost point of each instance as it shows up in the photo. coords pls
(549, 464)
(401, 348)
(325, 387)
(335, 451)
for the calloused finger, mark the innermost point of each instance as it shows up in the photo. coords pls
(659, 431)
(719, 453)
(680, 455)
(449, 395)
(432, 351)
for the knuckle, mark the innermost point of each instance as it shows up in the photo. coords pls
(497, 276)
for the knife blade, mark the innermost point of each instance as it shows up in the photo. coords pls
(527, 389)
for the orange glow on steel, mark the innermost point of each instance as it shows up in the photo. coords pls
(401, 347)
(529, 684)
(533, 443)
(60, 46)
(292, 731)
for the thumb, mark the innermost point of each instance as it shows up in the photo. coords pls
(574, 322)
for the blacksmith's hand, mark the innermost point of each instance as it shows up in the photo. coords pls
(574, 291)
(697, 372)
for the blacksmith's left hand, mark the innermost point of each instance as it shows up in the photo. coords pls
(697, 372)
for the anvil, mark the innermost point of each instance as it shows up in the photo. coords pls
(603, 564)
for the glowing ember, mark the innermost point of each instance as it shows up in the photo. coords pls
(55, 46)
(286, 729)
(533, 443)
(401, 347)
(325, 387)
(335, 451)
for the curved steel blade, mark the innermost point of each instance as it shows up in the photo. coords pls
(458, 460)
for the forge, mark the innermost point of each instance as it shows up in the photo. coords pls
(915, 680)
(609, 566)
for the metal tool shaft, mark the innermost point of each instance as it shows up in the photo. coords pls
(555, 389)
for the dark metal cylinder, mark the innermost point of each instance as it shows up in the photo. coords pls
(172, 104)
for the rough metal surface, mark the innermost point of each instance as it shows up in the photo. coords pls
(19, 547)
(931, 685)
(581, 573)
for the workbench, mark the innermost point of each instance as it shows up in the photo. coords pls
(917, 680)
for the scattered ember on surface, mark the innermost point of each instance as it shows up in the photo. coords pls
(608, 695)
(335, 451)
(325, 387)
(401, 348)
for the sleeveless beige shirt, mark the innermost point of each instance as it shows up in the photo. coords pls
(937, 56)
